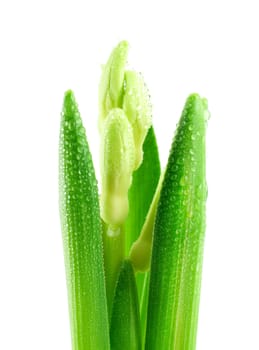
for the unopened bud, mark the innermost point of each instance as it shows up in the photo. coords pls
(137, 106)
(117, 163)
(112, 81)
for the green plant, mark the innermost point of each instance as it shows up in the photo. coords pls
(143, 217)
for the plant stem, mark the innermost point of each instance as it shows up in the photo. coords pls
(114, 254)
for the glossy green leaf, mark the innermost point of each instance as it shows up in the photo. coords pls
(125, 332)
(179, 236)
(141, 250)
(143, 304)
(142, 189)
(81, 228)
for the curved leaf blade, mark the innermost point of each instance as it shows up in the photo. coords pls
(143, 304)
(179, 236)
(82, 238)
(142, 190)
(125, 332)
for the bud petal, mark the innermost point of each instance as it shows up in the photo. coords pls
(117, 163)
(137, 106)
(112, 81)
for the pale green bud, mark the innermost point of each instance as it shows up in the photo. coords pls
(117, 163)
(137, 106)
(112, 81)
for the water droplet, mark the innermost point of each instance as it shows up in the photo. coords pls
(183, 181)
(207, 115)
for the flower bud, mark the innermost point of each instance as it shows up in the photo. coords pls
(112, 81)
(137, 106)
(117, 163)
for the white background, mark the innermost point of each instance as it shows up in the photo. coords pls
(46, 47)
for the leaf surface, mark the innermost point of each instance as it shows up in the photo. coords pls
(125, 332)
(178, 237)
(82, 238)
(142, 190)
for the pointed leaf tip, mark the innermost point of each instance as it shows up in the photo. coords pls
(179, 236)
(198, 105)
(69, 105)
(125, 331)
(69, 98)
(80, 223)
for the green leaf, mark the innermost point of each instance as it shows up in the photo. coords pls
(125, 332)
(142, 189)
(141, 250)
(179, 236)
(143, 304)
(82, 238)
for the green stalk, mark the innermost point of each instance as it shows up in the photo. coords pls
(178, 237)
(82, 237)
(114, 254)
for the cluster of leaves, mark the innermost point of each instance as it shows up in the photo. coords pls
(117, 298)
